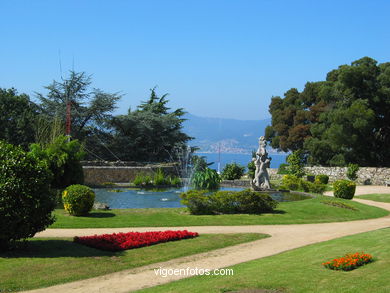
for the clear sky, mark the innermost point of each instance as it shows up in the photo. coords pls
(223, 58)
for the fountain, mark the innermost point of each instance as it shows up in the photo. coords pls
(262, 162)
(185, 169)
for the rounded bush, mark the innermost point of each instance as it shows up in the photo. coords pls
(78, 199)
(232, 171)
(291, 182)
(26, 202)
(344, 189)
(324, 179)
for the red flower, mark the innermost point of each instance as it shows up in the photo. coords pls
(123, 241)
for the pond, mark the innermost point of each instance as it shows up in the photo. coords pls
(169, 198)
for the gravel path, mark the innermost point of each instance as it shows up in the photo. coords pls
(284, 237)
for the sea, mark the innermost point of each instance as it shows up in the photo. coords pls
(242, 159)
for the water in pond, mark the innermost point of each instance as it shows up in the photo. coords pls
(141, 198)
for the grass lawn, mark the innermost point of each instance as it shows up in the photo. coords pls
(376, 197)
(297, 212)
(300, 270)
(50, 261)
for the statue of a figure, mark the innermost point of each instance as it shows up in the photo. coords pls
(262, 162)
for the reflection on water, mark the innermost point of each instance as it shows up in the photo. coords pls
(162, 198)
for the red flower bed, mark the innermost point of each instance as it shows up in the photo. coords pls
(349, 261)
(123, 241)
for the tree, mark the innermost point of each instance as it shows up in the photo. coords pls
(91, 108)
(344, 119)
(17, 118)
(150, 133)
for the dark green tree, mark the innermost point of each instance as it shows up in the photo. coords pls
(17, 118)
(151, 133)
(91, 109)
(344, 119)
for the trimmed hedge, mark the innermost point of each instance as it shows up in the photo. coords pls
(200, 202)
(78, 199)
(344, 189)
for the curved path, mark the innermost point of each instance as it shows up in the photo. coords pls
(284, 237)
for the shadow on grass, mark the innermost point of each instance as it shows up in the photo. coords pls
(277, 212)
(99, 215)
(52, 248)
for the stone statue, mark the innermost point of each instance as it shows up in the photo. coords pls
(262, 162)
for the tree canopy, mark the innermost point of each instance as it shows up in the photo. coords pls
(17, 116)
(344, 119)
(150, 133)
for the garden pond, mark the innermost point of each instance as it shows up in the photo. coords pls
(125, 198)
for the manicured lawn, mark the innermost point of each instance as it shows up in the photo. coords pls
(298, 212)
(376, 197)
(300, 270)
(50, 261)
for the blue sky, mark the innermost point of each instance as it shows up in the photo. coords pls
(215, 58)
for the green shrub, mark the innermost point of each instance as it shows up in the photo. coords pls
(317, 187)
(291, 182)
(283, 169)
(251, 202)
(175, 181)
(232, 171)
(143, 180)
(206, 180)
(78, 199)
(324, 179)
(310, 178)
(197, 202)
(159, 178)
(352, 171)
(26, 201)
(63, 159)
(344, 189)
(304, 185)
(314, 187)
(228, 202)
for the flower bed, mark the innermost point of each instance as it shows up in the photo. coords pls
(349, 261)
(123, 241)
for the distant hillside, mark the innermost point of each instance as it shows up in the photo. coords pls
(234, 136)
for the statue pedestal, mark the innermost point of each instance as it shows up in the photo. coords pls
(257, 188)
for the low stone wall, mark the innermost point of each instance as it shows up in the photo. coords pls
(366, 175)
(97, 175)
(244, 183)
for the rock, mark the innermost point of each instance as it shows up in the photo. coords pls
(100, 206)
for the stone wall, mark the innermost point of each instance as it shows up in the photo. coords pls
(366, 175)
(244, 183)
(97, 175)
